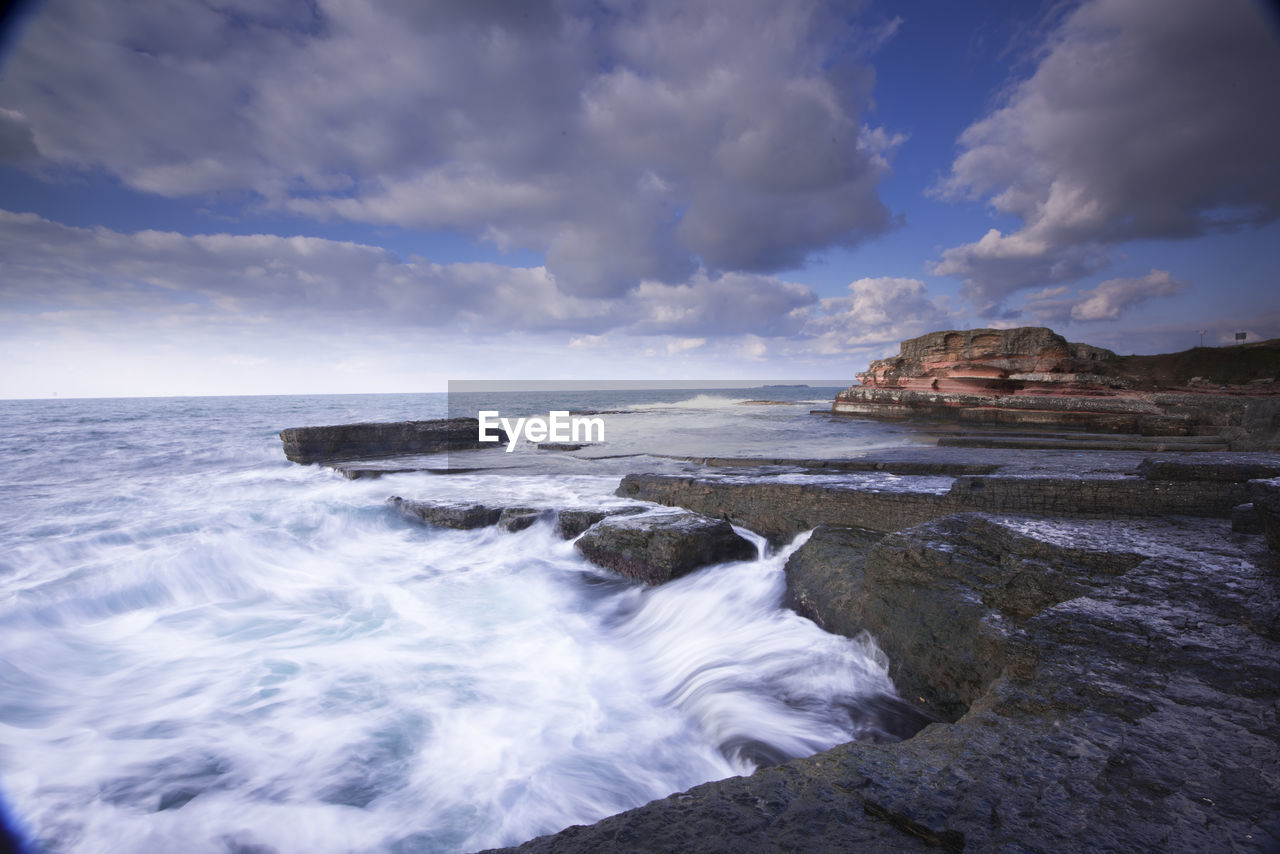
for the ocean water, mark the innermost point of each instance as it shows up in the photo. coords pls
(206, 648)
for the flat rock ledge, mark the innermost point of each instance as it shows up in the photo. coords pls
(656, 549)
(569, 523)
(374, 440)
(462, 517)
(1210, 485)
(1033, 377)
(1105, 686)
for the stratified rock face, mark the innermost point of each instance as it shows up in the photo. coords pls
(981, 358)
(655, 549)
(1030, 376)
(374, 440)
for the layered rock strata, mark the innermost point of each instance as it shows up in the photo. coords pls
(781, 508)
(1031, 376)
(366, 441)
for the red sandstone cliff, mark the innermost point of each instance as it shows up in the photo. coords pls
(1030, 375)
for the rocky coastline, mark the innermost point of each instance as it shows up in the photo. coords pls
(1031, 376)
(1086, 626)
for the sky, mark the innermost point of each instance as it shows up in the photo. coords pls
(203, 197)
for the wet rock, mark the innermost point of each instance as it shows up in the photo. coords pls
(561, 446)
(518, 518)
(391, 439)
(1244, 519)
(1266, 502)
(1219, 467)
(1116, 686)
(781, 509)
(571, 523)
(656, 549)
(447, 515)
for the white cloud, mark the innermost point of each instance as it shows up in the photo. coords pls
(1113, 297)
(878, 311)
(1143, 119)
(635, 142)
(1108, 301)
(243, 279)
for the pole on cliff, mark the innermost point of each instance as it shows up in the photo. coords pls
(1202, 332)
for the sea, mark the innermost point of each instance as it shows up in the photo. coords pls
(207, 648)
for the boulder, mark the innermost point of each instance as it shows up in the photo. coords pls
(390, 439)
(1244, 519)
(518, 518)
(571, 523)
(657, 548)
(447, 515)
(1266, 503)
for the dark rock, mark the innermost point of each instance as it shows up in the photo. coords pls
(391, 439)
(571, 523)
(1266, 502)
(1116, 685)
(824, 577)
(930, 605)
(1219, 468)
(779, 510)
(1262, 416)
(518, 518)
(1244, 519)
(561, 446)
(656, 549)
(1097, 498)
(446, 515)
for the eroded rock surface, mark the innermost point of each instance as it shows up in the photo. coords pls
(462, 517)
(1208, 485)
(571, 523)
(1114, 686)
(658, 548)
(1033, 376)
(1266, 503)
(375, 440)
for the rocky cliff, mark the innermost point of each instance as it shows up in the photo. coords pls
(1032, 376)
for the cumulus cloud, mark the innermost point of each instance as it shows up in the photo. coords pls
(1143, 119)
(1111, 298)
(878, 311)
(1107, 301)
(248, 278)
(627, 141)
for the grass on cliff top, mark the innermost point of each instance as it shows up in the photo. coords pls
(1236, 365)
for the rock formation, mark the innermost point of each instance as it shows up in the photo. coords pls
(375, 440)
(654, 549)
(1103, 685)
(1033, 376)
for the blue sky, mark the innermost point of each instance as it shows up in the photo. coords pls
(284, 196)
